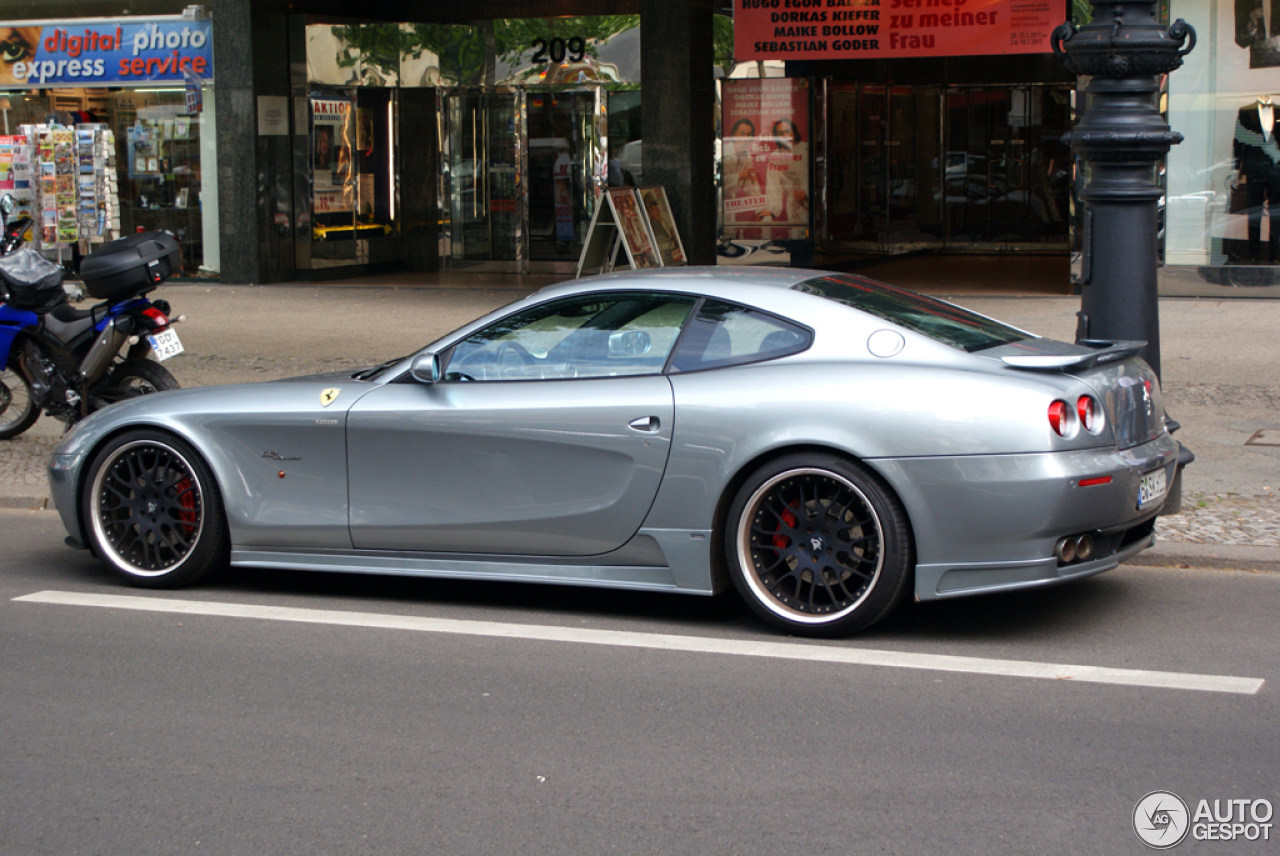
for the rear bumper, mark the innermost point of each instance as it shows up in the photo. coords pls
(936, 582)
(990, 522)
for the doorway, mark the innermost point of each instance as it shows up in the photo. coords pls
(521, 173)
(975, 168)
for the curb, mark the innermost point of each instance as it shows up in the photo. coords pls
(1225, 557)
(32, 502)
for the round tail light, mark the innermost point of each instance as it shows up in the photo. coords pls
(1090, 413)
(1062, 419)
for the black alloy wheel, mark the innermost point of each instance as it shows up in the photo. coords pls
(153, 512)
(818, 545)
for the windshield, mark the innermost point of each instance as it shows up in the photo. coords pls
(941, 321)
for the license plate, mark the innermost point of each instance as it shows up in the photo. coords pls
(1153, 487)
(165, 345)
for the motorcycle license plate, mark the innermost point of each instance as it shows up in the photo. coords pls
(165, 345)
(1152, 488)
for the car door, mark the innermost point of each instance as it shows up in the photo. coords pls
(547, 435)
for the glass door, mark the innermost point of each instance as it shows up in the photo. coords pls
(967, 167)
(523, 170)
(564, 157)
(1007, 172)
(882, 183)
(483, 177)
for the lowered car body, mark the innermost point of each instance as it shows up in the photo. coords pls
(823, 443)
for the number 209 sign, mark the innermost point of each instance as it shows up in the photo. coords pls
(856, 29)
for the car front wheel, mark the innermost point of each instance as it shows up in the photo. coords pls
(152, 510)
(818, 545)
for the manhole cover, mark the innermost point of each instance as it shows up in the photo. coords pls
(1265, 437)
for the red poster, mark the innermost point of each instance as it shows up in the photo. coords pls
(857, 29)
(765, 151)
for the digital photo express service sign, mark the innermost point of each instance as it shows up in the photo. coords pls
(117, 52)
(879, 29)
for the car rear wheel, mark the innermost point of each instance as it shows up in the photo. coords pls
(818, 545)
(153, 512)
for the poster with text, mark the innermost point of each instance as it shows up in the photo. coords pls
(662, 225)
(632, 227)
(765, 157)
(864, 29)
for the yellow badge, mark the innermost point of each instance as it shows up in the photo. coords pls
(328, 396)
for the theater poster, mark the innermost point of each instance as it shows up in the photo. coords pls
(765, 158)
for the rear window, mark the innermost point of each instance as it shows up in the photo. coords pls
(941, 321)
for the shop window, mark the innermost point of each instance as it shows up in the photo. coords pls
(1220, 221)
(160, 167)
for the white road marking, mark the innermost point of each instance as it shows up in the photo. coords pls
(664, 642)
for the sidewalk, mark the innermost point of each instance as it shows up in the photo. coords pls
(1220, 368)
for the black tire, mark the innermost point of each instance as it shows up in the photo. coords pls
(818, 545)
(22, 412)
(152, 510)
(139, 377)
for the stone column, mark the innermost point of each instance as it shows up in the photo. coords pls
(678, 116)
(251, 58)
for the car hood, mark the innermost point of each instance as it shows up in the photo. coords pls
(340, 375)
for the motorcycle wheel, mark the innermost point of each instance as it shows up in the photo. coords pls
(140, 377)
(22, 412)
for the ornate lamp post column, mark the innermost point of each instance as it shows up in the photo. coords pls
(1120, 138)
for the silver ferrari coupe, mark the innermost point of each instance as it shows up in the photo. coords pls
(824, 443)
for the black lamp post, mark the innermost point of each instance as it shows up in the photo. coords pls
(1120, 138)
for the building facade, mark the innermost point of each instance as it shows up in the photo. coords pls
(320, 145)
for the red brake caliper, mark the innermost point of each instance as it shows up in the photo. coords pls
(188, 503)
(781, 541)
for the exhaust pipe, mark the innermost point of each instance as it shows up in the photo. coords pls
(105, 348)
(1074, 548)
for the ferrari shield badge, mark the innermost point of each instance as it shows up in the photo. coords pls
(328, 396)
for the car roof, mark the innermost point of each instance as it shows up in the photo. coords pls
(698, 278)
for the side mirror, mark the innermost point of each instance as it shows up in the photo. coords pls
(426, 368)
(631, 343)
(8, 204)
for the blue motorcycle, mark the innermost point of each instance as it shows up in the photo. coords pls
(68, 362)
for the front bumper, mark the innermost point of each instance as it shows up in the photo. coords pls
(64, 471)
(987, 523)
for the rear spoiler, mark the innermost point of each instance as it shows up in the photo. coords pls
(1103, 352)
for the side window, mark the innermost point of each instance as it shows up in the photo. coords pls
(726, 335)
(596, 335)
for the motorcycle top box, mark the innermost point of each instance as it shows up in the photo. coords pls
(132, 265)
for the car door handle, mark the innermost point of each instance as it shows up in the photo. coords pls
(645, 424)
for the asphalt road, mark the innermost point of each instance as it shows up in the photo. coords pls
(270, 729)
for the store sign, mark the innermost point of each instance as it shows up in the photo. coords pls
(329, 110)
(105, 53)
(865, 29)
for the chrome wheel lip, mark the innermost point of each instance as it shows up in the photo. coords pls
(762, 594)
(95, 509)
